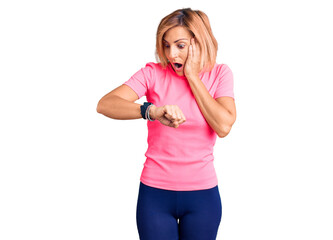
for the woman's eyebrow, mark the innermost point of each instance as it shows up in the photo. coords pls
(176, 40)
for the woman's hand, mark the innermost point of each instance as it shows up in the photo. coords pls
(192, 65)
(168, 115)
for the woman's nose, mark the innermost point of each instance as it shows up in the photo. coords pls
(173, 53)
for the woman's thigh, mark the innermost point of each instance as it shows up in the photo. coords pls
(158, 211)
(156, 214)
(201, 213)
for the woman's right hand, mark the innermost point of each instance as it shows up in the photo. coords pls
(168, 115)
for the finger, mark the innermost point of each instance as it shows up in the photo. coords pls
(193, 47)
(190, 52)
(169, 116)
(168, 113)
(165, 121)
(183, 116)
(197, 50)
(173, 114)
(179, 115)
(181, 121)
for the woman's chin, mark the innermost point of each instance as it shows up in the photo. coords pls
(179, 72)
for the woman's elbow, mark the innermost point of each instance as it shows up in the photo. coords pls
(223, 133)
(100, 106)
(225, 130)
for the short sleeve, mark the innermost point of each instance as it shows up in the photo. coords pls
(141, 80)
(225, 85)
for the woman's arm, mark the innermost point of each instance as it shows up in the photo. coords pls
(118, 108)
(218, 116)
(120, 104)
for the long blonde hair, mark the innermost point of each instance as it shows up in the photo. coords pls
(197, 23)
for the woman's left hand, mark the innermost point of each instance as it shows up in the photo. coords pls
(192, 65)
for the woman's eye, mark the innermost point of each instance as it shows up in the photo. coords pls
(180, 46)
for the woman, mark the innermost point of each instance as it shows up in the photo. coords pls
(192, 99)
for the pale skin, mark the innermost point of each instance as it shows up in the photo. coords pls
(180, 47)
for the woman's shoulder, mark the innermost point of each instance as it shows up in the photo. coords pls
(220, 68)
(154, 65)
(156, 68)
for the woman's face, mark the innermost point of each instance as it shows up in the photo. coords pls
(175, 43)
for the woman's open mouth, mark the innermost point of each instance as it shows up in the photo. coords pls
(178, 66)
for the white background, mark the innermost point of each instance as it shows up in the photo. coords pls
(67, 172)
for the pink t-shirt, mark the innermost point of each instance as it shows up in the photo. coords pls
(180, 158)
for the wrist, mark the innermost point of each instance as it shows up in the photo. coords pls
(192, 77)
(152, 112)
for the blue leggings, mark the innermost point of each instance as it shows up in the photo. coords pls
(178, 215)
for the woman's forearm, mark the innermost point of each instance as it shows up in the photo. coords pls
(118, 108)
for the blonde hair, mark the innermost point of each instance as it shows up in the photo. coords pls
(197, 23)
